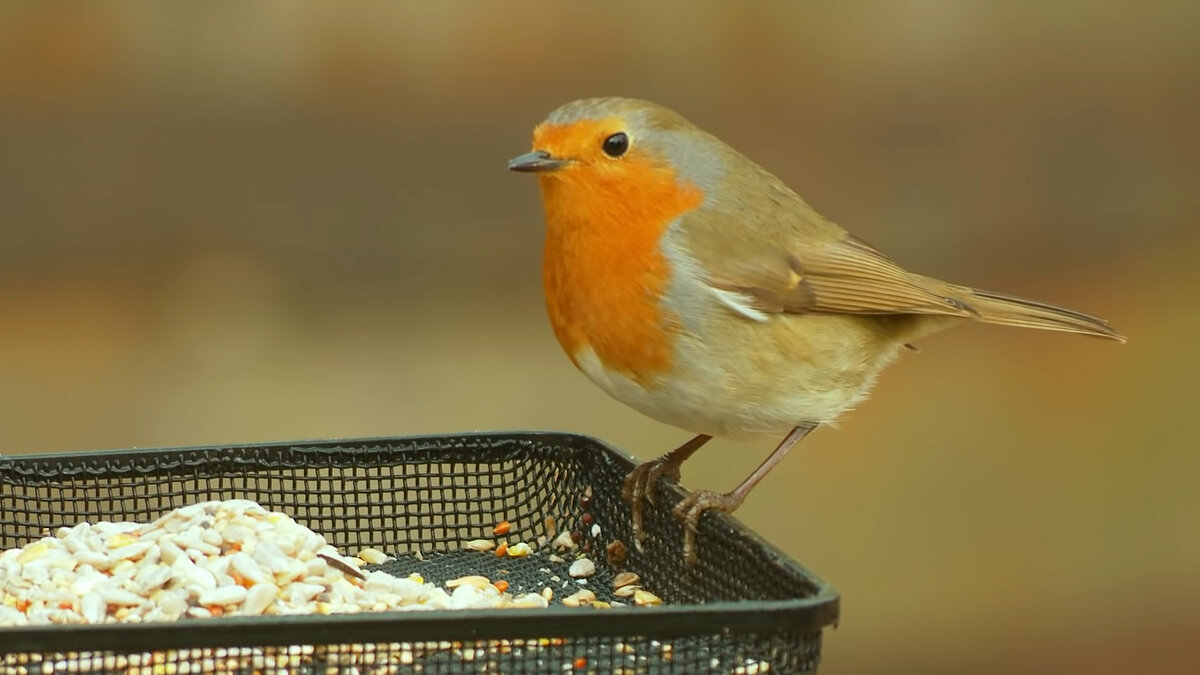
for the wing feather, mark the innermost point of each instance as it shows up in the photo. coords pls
(845, 276)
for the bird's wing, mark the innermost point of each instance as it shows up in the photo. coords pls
(821, 270)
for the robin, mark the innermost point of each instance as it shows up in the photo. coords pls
(690, 283)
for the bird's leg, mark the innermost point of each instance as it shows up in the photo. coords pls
(695, 504)
(639, 484)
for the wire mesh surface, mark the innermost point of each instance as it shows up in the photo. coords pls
(744, 607)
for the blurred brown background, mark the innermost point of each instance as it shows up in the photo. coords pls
(263, 221)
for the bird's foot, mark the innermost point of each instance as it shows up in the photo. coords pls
(639, 488)
(693, 506)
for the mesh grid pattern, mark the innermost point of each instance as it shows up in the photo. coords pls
(742, 605)
(545, 655)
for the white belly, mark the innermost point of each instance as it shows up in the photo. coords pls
(746, 378)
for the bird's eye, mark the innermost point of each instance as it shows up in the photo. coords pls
(616, 145)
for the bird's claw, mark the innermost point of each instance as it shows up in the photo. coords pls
(639, 488)
(689, 510)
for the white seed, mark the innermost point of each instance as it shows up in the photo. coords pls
(531, 600)
(212, 537)
(169, 551)
(373, 556)
(582, 568)
(151, 577)
(292, 571)
(563, 541)
(173, 602)
(132, 551)
(86, 581)
(197, 577)
(236, 534)
(480, 545)
(580, 598)
(299, 593)
(469, 597)
(473, 580)
(247, 568)
(259, 598)
(95, 559)
(224, 595)
(93, 607)
(120, 596)
(219, 566)
(519, 550)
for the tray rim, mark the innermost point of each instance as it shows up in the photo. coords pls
(748, 616)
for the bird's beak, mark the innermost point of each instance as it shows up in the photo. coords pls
(538, 161)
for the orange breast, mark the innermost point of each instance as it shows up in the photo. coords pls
(603, 269)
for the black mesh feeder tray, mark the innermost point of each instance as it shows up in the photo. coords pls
(744, 607)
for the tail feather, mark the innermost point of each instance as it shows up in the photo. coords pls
(1007, 310)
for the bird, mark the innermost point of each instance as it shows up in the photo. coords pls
(693, 285)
